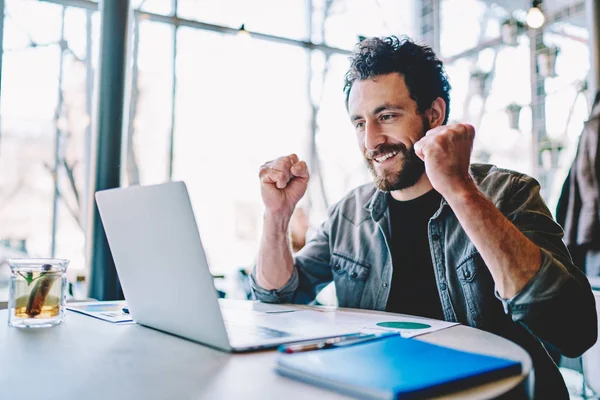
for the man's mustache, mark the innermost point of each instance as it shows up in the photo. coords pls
(385, 149)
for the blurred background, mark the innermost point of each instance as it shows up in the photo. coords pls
(214, 88)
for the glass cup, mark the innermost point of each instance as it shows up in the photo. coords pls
(38, 292)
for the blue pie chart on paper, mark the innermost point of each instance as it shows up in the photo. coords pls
(403, 325)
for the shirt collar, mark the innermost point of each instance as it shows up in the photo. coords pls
(378, 204)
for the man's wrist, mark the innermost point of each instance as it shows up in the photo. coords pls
(276, 224)
(463, 191)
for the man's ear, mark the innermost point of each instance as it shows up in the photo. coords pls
(436, 114)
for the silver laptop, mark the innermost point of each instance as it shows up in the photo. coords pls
(163, 270)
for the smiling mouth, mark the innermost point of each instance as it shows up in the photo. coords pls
(384, 157)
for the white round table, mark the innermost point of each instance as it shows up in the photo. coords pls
(86, 358)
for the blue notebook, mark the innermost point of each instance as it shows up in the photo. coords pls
(394, 367)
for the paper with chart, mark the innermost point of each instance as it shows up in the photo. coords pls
(406, 326)
(111, 311)
(311, 322)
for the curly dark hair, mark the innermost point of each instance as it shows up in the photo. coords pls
(423, 72)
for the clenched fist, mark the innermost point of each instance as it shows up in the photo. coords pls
(283, 183)
(446, 151)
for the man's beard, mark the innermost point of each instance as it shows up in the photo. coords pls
(411, 166)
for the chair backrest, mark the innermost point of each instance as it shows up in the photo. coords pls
(3, 305)
(591, 358)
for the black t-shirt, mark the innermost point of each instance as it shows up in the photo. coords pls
(414, 288)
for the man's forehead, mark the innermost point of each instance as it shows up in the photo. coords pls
(367, 93)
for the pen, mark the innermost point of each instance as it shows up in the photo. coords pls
(332, 342)
(315, 344)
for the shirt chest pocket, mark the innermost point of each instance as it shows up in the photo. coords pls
(350, 277)
(478, 288)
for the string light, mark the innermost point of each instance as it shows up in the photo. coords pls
(243, 33)
(535, 16)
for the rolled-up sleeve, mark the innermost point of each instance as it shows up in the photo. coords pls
(281, 295)
(557, 304)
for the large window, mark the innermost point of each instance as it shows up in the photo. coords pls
(47, 79)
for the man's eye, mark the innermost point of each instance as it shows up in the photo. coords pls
(387, 117)
(359, 125)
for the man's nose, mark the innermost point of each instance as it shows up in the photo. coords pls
(373, 136)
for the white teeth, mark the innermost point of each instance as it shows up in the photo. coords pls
(385, 157)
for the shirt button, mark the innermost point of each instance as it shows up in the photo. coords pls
(467, 274)
(353, 275)
(385, 284)
(336, 267)
(443, 286)
(435, 236)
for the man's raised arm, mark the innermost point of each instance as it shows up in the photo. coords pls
(283, 183)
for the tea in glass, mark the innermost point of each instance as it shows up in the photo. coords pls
(38, 290)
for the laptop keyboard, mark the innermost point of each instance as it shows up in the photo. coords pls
(250, 331)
